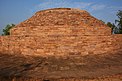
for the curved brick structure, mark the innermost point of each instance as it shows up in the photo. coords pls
(61, 44)
(60, 31)
(63, 20)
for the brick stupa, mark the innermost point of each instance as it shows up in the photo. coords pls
(61, 31)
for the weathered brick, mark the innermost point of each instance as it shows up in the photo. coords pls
(60, 32)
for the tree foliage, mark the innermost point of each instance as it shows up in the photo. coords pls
(117, 27)
(112, 26)
(6, 30)
(119, 21)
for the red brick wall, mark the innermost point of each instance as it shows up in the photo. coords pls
(62, 45)
(60, 32)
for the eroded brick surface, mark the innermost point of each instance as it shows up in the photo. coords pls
(61, 31)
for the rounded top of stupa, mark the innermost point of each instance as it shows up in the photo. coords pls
(62, 16)
(68, 19)
(64, 9)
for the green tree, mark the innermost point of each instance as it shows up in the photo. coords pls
(112, 26)
(117, 27)
(119, 21)
(6, 30)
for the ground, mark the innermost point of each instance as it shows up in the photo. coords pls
(99, 67)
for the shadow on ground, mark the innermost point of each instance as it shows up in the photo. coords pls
(73, 66)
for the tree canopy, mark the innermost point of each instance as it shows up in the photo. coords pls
(6, 30)
(119, 21)
(117, 27)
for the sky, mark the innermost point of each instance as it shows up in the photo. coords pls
(16, 11)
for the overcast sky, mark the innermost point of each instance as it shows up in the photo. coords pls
(16, 11)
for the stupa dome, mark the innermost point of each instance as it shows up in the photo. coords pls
(65, 18)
